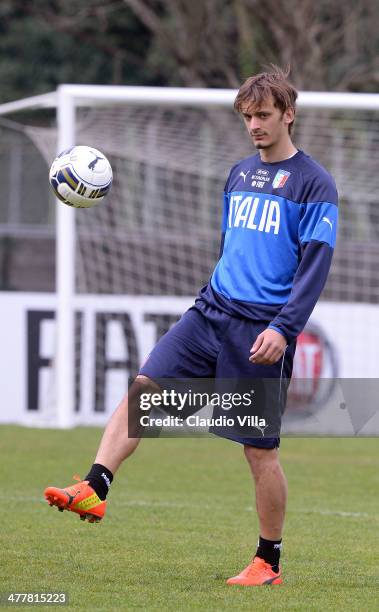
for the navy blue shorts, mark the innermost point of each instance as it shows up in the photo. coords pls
(210, 343)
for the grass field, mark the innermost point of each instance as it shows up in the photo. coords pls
(181, 520)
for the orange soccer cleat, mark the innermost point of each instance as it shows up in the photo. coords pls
(257, 573)
(79, 498)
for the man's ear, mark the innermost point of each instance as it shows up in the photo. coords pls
(289, 115)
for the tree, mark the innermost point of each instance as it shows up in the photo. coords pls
(193, 41)
(328, 44)
(46, 42)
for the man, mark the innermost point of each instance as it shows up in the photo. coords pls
(279, 229)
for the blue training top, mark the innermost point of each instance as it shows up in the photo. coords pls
(279, 231)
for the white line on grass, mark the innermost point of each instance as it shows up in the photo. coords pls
(336, 513)
(168, 504)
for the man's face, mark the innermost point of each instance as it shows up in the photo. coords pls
(267, 125)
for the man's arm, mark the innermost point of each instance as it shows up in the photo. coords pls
(317, 234)
(309, 282)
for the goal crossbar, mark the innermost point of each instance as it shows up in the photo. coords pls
(82, 95)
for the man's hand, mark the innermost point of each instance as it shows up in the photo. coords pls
(268, 347)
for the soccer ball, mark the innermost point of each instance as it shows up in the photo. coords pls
(81, 176)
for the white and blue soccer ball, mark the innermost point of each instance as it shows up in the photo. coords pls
(81, 176)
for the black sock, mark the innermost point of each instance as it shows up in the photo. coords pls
(100, 479)
(269, 550)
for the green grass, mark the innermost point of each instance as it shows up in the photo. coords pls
(181, 520)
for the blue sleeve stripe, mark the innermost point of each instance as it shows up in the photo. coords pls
(319, 222)
(323, 203)
(277, 330)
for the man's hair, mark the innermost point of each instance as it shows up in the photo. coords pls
(256, 89)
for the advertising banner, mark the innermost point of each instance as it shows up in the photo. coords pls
(333, 389)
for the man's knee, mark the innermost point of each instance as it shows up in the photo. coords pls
(141, 384)
(260, 458)
(133, 402)
(144, 384)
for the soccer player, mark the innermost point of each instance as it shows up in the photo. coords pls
(278, 235)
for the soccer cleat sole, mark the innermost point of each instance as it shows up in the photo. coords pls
(91, 518)
(273, 581)
(267, 583)
(55, 501)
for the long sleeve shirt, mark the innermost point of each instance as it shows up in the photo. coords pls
(278, 236)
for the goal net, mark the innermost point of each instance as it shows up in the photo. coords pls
(148, 248)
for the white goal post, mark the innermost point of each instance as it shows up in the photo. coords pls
(67, 100)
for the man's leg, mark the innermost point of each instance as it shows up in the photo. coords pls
(117, 443)
(270, 490)
(188, 350)
(271, 498)
(120, 439)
